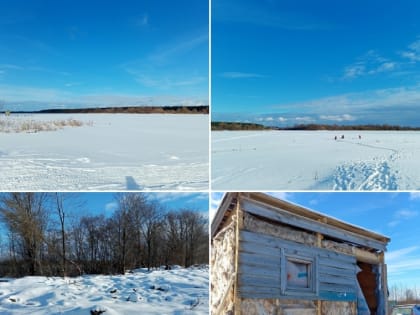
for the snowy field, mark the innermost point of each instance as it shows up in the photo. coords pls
(301, 160)
(175, 292)
(107, 152)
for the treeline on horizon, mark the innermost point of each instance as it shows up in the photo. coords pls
(50, 234)
(252, 126)
(204, 109)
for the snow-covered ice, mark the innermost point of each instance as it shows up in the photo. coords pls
(161, 292)
(109, 152)
(301, 160)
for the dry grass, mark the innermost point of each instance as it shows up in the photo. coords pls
(13, 125)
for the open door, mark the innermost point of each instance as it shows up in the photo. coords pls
(369, 278)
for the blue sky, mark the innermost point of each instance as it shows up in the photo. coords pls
(103, 53)
(300, 61)
(106, 203)
(395, 215)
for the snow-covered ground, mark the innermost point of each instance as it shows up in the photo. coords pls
(300, 160)
(176, 292)
(108, 152)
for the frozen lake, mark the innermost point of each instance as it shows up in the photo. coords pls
(302, 160)
(108, 152)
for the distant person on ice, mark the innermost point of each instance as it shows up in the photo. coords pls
(342, 136)
(360, 137)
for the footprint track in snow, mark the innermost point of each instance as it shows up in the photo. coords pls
(374, 175)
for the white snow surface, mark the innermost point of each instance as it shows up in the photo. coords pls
(313, 160)
(172, 292)
(109, 152)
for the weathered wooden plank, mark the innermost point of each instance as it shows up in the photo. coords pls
(325, 295)
(337, 260)
(329, 255)
(337, 280)
(337, 296)
(261, 243)
(258, 281)
(287, 217)
(252, 294)
(267, 291)
(336, 287)
(267, 272)
(328, 270)
(260, 249)
(260, 260)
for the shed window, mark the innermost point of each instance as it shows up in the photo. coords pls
(298, 274)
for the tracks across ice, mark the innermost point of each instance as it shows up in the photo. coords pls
(371, 175)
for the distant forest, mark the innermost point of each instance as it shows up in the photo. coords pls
(125, 110)
(221, 125)
(52, 234)
(250, 126)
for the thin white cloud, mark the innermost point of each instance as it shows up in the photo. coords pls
(402, 215)
(362, 102)
(304, 119)
(404, 262)
(19, 98)
(32, 69)
(338, 118)
(370, 63)
(406, 214)
(241, 75)
(413, 51)
(143, 20)
(414, 195)
(152, 70)
(111, 206)
(182, 46)
(169, 197)
(267, 14)
(71, 84)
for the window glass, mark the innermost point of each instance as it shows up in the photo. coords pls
(298, 274)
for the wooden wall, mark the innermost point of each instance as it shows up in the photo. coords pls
(260, 269)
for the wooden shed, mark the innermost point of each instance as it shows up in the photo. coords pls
(269, 256)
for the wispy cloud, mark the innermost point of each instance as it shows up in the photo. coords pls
(391, 105)
(338, 118)
(304, 119)
(111, 206)
(370, 63)
(188, 198)
(400, 253)
(14, 67)
(402, 215)
(143, 20)
(160, 68)
(30, 98)
(241, 75)
(267, 14)
(403, 264)
(71, 84)
(413, 51)
(414, 195)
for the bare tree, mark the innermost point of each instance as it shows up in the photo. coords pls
(25, 216)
